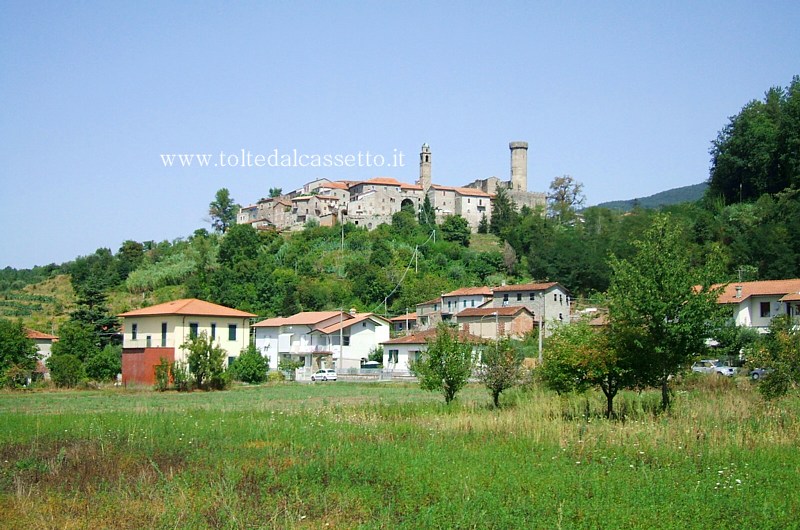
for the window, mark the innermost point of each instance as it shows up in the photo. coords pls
(193, 329)
(555, 297)
(465, 304)
(231, 331)
(393, 356)
(163, 334)
(561, 316)
(134, 331)
(346, 340)
(764, 309)
(230, 361)
(149, 341)
(505, 297)
(560, 299)
(448, 305)
(213, 330)
(533, 296)
(519, 297)
(473, 303)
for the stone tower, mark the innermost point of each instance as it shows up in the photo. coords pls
(519, 166)
(425, 167)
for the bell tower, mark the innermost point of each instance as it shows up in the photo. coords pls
(425, 167)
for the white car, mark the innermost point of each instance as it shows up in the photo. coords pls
(713, 366)
(324, 375)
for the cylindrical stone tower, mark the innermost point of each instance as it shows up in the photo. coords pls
(519, 165)
(425, 167)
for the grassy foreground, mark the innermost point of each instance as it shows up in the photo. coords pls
(390, 456)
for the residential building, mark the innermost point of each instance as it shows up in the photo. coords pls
(321, 339)
(495, 322)
(43, 341)
(755, 304)
(404, 323)
(429, 313)
(158, 332)
(372, 202)
(548, 301)
(400, 351)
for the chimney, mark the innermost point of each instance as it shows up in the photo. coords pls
(738, 291)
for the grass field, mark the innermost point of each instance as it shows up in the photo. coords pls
(390, 456)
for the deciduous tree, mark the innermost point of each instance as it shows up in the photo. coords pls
(500, 368)
(447, 363)
(222, 210)
(662, 307)
(206, 362)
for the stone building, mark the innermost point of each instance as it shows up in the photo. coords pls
(372, 202)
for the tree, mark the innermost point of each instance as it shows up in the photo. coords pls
(483, 226)
(18, 353)
(222, 211)
(78, 339)
(275, 192)
(206, 362)
(757, 151)
(105, 364)
(93, 311)
(566, 196)
(578, 357)
(427, 215)
(66, 370)
(130, 256)
(250, 367)
(501, 368)
(447, 363)
(661, 305)
(456, 230)
(504, 214)
(779, 350)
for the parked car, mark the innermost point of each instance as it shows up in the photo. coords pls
(326, 374)
(757, 373)
(713, 366)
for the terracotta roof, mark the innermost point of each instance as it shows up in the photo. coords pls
(431, 302)
(38, 335)
(334, 185)
(525, 287)
(761, 288)
(404, 186)
(359, 317)
(467, 291)
(472, 191)
(792, 297)
(284, 202)
(403, 318)
(306, 318)
(302, 198)
(508, 311)
(188, 306)
(327, 197)
(383, 181)
(443, 188)
(423, 336)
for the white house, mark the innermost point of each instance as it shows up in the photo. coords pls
(157, 332)
(755, 304)
(321, 339)
(399, 352)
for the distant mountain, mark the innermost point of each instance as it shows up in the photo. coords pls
(665, 198)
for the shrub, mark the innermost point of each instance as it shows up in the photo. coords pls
(181, 377)
(275, 376)
(162, 375)
(105, 364)
(206, 363)
(66, 370)
(250, 366)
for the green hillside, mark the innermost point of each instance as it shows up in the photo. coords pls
(671, 197)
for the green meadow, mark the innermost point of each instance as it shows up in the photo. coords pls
(343, 455)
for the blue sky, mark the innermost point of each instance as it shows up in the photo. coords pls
(624, 96)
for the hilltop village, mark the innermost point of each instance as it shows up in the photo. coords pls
(372, 202)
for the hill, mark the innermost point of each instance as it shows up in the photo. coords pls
(665, 198)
